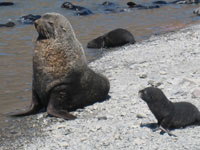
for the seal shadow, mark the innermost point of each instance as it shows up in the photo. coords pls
(151, 126)
(154, 127)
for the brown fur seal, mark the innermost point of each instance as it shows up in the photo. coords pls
(62, 81)
(169, 115)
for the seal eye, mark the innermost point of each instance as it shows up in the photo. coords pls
(51, 23)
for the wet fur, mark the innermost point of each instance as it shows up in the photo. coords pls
(62, 81)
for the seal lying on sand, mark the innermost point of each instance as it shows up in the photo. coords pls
(114, 38)
(62, 81)
(169, 115)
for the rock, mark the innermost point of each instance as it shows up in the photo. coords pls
(102, 118)
(163, 72)
(187, 82)
(8, 24)
(141, 115)
(197, 11)
(196, 93)
(154, 84)
(28, 19)
(143, 76)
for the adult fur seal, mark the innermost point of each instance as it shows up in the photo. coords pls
(62, 81)
(169, 115)
(117, 37)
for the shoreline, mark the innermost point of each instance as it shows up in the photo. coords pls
(170, 60)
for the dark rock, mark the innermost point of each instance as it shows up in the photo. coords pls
(107, 3)
(160, 2)
(197, 11)
(134, 5)
(28, 19)
(6, 3)
(9, 24)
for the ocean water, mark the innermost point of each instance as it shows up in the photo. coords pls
(17, 43)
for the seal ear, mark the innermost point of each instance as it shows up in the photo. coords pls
(63, 28)
(51, 23)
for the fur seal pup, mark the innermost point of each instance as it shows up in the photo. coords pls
(62, 81)
(80, 11)
(169, 115)
(114, 38)
(8, 24)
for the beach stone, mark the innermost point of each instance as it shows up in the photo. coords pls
(141, 115)
(143, 76)
(154, 84)
(102, 118)
(188, 82)
(196, 93)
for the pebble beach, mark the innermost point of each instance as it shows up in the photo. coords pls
(169, 61)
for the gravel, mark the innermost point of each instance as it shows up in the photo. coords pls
(169, 61)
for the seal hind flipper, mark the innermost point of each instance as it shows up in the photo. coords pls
(60, 113)
(34, 108)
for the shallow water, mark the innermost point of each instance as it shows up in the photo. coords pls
(16, 44)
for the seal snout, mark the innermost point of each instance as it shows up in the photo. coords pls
(140, 93)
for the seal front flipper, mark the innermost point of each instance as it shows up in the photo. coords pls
(59, 102)
(165, 124)
(33, 109)
(52, 111)
(163, 130)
